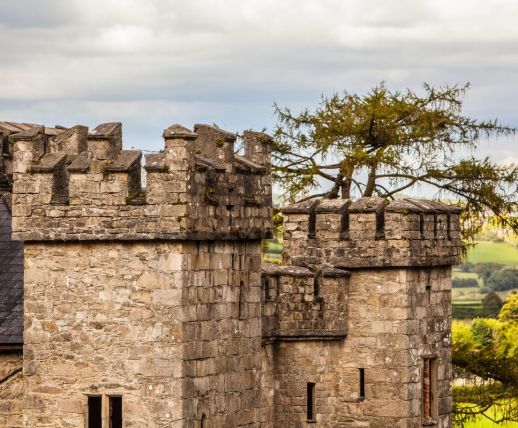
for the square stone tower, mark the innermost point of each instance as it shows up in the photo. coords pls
(150, 307)
(356, 323)
(142, 306)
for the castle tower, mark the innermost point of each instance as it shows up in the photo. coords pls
(142, 306)
(356, 324)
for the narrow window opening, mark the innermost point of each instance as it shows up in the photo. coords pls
(421, 226)
(448, 226)
(274, 287)
(229, 210)
(435, 226)
(312, 224)
(344, 224)
(249, 195)
(429, 389)
(266, 288)
(203, 422)
(241, 308)
(60, 191)
(94, 412)
(317, 283)
(310, 404)
(380, 224)
(361, 395)
(115, 412)
(428, 285)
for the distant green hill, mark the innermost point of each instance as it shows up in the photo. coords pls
(493, 252)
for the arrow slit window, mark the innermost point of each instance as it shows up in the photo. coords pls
(429, 389)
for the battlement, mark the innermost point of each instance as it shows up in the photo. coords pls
(371, 232)
(81, 185)
(299, 303)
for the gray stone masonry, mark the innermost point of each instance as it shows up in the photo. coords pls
(11, 389)
(299, 303)
(366, 286)
(371, 232)
(158, 295)
(83, 186)
(153, 295)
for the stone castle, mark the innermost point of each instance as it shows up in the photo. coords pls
(150, 307)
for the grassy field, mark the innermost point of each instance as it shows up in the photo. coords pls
(272, 258)
(483, 422)
(273, 252)
(467, 309)
(273, 246)
(493, 252)
(460, 274)
(468, 293)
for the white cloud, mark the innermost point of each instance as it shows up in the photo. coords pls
(144, 61)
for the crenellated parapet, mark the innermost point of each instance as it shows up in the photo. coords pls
(299, 303)
(81, 185)
(6, 147)
(371, 232)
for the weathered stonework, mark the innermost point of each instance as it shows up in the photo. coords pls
(129, 319)
(196, 189)
(158, 296)
(299, 303)
(222, 333)
(150, 295)
(393, 322)
(11, 389)
(372, 232)
(395, 260)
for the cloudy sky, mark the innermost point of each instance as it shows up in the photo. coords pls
(149, 63)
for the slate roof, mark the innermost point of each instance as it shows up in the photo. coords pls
(11, 281)
(15, 127)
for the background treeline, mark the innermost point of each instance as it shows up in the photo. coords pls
(494, 277)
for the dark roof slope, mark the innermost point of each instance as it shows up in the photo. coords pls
(11, 281)
(15, 127)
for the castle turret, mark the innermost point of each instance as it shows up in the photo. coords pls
(357, 321)
(195, 188)
(372, 232)
(142, 305)
(147, 306)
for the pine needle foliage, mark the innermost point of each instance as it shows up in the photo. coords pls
(386, 142)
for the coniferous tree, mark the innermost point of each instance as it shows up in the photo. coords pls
(386, 142)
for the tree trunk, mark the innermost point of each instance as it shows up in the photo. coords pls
(371, 182)
(347, 171)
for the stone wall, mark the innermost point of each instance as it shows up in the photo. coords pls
(87, 188)
(393, 323)
(222, 334)
(173, 327)
(399, 255)
(11, 389)
(299, 303)
(157, 294)
(103, 318)
(371, 232)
